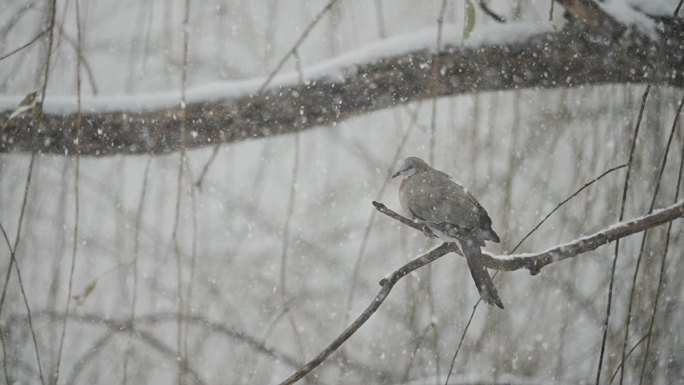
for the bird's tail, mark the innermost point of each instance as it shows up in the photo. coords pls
(483, 281)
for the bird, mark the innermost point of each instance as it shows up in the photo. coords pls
(432, 198)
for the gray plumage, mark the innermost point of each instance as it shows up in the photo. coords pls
(431, 197)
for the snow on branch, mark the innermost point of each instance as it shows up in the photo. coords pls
(590, 13)
(578, 54)
(533, 262)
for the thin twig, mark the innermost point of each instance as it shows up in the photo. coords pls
(387, 284)
(51, 36)
(209, 162)
(16, 18)
(123, 326)
(286, 226)
(26, 303)
(629, 353)
(270, 77)
(436, 68)
(13, 262)
(85, 63)
(296, 45)
(39, 123)
(564, 202)
(251, 365)
(625, 188)
(371, 219)
(290, 209)
(4, 357)
(26, 45)
(77, 173)
(392, 214)
(193, 262)
(414, 353)
(513, 163)
(465, 330)
(622, 208)
(485, 8)
(136, 252)
(88, 356)
(436, 71)
(30, 170)
(661, 273)
(180, 358)
(13, 248)
(533, 262)
(642, 247)
(460, 342)
(26, 191)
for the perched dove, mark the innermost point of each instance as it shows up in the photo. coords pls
(431, 197)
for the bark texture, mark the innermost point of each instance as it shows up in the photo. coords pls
(591, 49)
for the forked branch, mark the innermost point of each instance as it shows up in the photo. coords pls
(533, 262)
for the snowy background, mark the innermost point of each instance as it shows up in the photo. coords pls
(306, 199)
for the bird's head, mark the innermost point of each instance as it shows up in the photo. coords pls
(410, 166)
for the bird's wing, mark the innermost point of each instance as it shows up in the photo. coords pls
(436, 199)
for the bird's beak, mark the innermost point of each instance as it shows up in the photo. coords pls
(396, 174)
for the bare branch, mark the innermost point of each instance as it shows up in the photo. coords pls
(385, 210)
(566, 200)
(25, 45)
(387, 285)
(485, 8)
(124, 326)
(535, 261)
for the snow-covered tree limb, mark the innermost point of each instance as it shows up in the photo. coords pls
(588, 50)
(533, 262)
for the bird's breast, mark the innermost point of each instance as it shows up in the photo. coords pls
(403, 197)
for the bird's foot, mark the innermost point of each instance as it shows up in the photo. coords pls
(428, 232)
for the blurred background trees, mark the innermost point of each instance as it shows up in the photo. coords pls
(266, 261)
